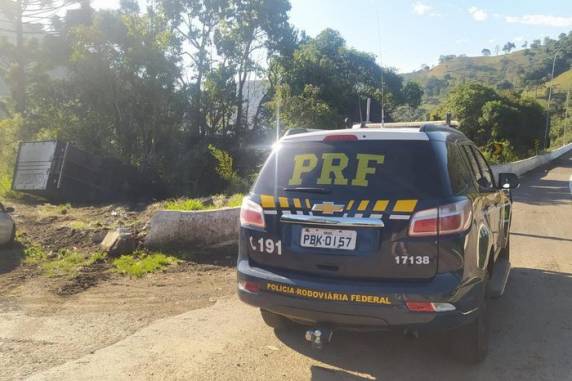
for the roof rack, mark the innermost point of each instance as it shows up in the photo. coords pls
(444, 123)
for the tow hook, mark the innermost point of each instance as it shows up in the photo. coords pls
(319, 336)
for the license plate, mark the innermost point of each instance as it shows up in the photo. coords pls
(328, 238)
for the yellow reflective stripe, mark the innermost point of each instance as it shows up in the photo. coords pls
(283, 202)
(297, 203)
(363, 205)
(380, 205)
(405, 206)
(308, 205)
(350, 205)
(267, 201)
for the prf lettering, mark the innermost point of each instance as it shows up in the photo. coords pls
(333, 165)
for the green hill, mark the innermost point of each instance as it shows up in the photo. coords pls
(491, 70)
(526, 70)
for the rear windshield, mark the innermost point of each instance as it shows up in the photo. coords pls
(343, 170)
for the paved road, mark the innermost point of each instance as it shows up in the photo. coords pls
(531, 338)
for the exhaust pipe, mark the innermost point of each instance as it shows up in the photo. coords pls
(319, 336)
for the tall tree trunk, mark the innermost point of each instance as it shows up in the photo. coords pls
(20, 88)
(242, 75)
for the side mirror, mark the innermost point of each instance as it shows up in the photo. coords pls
(10, 209)
(508, 181)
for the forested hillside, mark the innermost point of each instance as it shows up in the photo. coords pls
(526, 70)
(190, 91)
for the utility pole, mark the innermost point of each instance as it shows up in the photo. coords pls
(566, 118)
(547, 127)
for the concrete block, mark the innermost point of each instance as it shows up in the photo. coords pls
(119, 242)
(196, 228)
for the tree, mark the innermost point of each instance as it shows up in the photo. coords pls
(508, 47)
(536, 44)
(119, 96)
(486, 52)
(26, 17)
(524, 45)
(466, 102)
(505, 85)
(251, 27)
(486, 116)
(323, 73)
(434, 86)
(193, 23)
(412, 94)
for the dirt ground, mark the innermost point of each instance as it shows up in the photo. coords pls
(531, 329)
(47, 321)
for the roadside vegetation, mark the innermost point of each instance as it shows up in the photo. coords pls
(215, 202)
(140, 263)
(64, 263)
(69, 263)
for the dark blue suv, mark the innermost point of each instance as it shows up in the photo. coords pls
(378, 228)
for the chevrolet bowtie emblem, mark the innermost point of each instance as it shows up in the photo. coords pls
(328, 208)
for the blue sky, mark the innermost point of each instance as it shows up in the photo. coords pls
(416, 32)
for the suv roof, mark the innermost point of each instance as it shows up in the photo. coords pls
(375, 131)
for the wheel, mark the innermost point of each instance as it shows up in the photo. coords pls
(274, 321)
(471, 342)
(505, 252)
(11, 240)
(12, 237)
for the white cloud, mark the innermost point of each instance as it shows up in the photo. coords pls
(478, 14)
(542, 20)
(421, 9)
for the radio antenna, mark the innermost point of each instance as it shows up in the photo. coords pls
(381, 67)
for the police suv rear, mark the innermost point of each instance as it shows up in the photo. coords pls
(377, 228)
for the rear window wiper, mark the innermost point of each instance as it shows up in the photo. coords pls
(308, 190)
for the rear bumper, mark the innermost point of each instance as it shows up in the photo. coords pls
(317, 301)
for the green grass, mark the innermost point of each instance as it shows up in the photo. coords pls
(6, 191)
(69, 263)
(50, 210)
(235, 200)
(185, 204)
(141, 263)
(192, 204)
(34, 255)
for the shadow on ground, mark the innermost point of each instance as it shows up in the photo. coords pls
(530, 339)
(11, 257)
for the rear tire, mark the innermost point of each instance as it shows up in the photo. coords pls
(505, 252)
(12, 237)
(10, 243)
(275, 321)
(471, 342)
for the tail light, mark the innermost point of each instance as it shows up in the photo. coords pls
(446, 219)
(248, 286)
(429, 307)
(340, 138)
(251, 214)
